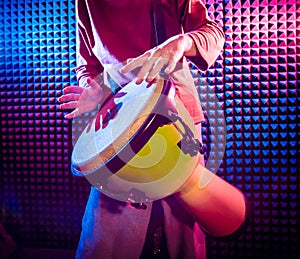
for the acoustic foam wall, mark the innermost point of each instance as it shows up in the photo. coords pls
(256, 79)
(41, 205)
(256, 83)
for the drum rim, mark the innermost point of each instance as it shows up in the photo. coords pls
(135, 142)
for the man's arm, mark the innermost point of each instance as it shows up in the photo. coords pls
(88, 65)
(201, 41)
(208, 38)
(88, 93)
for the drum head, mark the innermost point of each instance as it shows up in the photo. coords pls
(113, 127)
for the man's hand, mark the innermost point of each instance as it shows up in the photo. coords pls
(164, 57)
(81, 99)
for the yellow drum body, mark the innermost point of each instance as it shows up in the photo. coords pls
(160, 168)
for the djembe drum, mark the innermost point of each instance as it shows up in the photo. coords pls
(142, 146)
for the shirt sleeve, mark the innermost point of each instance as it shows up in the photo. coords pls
(88, 65)
(208, 37)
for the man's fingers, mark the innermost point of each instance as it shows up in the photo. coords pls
(173, 65)
(145, 69)
(170, 67)
(93, 83)
(135, 62)
(68, 105)
(68, 97)
(73, 89)
(159, 65)
(72, 114)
